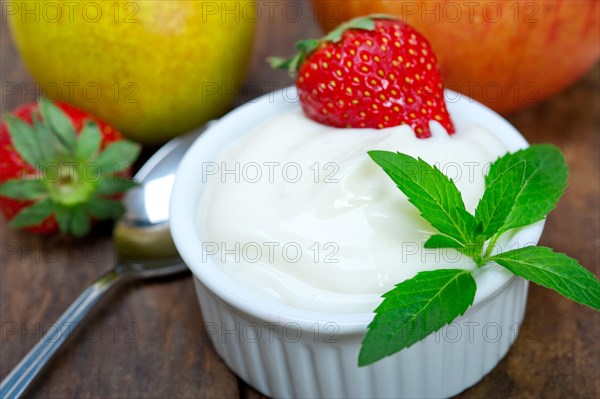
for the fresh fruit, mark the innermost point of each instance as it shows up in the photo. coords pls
(505, 54)
(151, 69)
(372, 72)
(61, 169)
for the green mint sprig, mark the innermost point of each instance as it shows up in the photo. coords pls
(520, 189)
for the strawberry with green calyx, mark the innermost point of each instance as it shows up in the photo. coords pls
(61, 169)
(370, 72)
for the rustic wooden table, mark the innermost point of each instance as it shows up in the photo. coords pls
(148, 341)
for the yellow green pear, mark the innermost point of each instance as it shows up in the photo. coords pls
(152, 69)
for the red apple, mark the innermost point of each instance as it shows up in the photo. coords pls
(505, 54)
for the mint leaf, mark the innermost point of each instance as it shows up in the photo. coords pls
(544, 182)
(440, 241)
(88, 142)
(58, 122)
(110, 185)
(414, 309)
(434, 194)
(117, 156)
(499, 199)
(24, 141)
(521, 189)
(22, 189)
(555, 271)
(33, 214)
(471, 249)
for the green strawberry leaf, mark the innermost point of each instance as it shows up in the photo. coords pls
(23, 189)
(434, 194)
(414, 309)
(292, 64)
(59, 123)
(46, 142)
(499, 199)
(555, 271)
(79, 224)
(103, 208)
(24, 140)
(364, 23)
(307, 46)
(117, 157)
(280, 62)
(63, 218)
(33, 214)
(544, 182)
(110, 185)
(88, 142)
(68, 180)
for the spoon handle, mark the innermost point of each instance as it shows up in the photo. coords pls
(19, 379)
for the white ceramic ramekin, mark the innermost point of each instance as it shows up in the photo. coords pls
(285, 351)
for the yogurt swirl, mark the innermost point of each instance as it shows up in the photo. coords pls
(299, 212)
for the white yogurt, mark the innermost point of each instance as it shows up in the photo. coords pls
(299, 212)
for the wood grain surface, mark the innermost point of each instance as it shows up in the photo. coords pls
(147, 340)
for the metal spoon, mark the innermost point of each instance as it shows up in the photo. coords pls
(144, 249)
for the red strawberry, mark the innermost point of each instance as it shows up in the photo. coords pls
(372, 72)
(61, 169)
